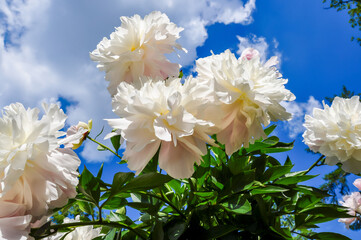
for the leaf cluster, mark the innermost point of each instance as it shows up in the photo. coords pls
(247, 195)
(353, 8)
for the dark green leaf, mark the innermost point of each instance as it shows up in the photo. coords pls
(86, 207)
(239, 182)
(89, 186)
(279, 147)
(100, 172)
(111, 234)
(147, 181)
(294, 179)
(174, 229)
(114, 203)
(220, 231)
(158, 232)
(119, 180)
(268, 189)
(238, 205)
(238, 163)
(275, 172)
(269, 129)
(116, 142)
(329, 236)
(144, 207)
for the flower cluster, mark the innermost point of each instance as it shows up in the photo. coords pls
(336, 133)
(136, 49)
(36, 175)
(231, 97)
(353, 203)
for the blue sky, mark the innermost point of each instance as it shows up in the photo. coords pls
(45, 45)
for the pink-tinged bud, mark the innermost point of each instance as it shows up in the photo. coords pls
(357, 183)
(249, 53)
(77, 134)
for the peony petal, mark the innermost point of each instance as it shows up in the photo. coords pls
(137, 160)
(178, 162)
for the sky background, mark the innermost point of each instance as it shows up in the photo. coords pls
(45, 45)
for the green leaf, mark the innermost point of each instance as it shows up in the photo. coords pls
(307, 201)
(220, 231)
(275, 172)
(294, 179)
(158, 232)
(116, 217)
(239, 182)
(174, 229)
(116, 142)
(147, 181)
(268, 189)
(176, 185)
(114, 203)
(100, 172)
(238, 205)
(86, 207)
(273, 140)
(220, 155)
(238, 163)
(329, 210)
(279, 147)
(144, 207)
(288, 162)
(111, 234)
(269, 129)
(284, 232)
(119, 180)
(259, 164)
(89, 186)
(329, 236)
(206, 195)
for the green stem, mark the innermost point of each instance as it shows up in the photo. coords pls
(103, 146)
(109, 224)
(314, 165)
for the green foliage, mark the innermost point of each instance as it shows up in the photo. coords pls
(344, 94)
(335, 180)
(353, 8)
(248, 195)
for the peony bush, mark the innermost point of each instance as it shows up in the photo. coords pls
(201, 147)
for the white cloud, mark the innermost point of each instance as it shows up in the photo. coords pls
(261, 45)
(45, 45)
(91, 154)
(299, 109)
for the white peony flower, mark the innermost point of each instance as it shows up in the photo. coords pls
(166, 116)
(249, 94)
(336, 133)
(136, 49)
(353, 203)
(35, 173)
(79, 233)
